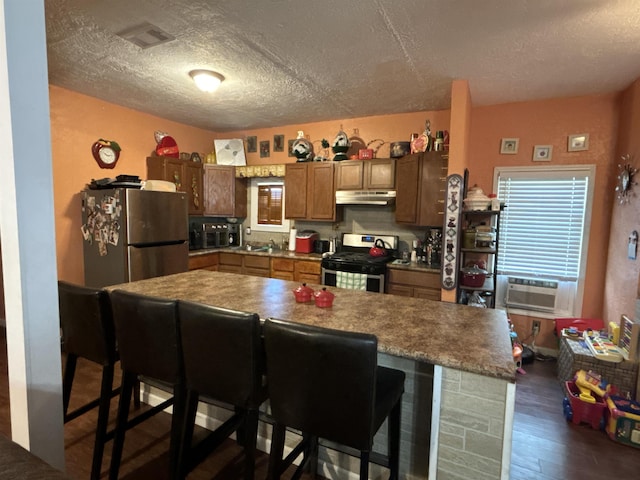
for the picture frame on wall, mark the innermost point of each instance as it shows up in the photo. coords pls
(542, 153)
(252, 144)
(290, 147)
(278, 143)
(509, 146)
(578, 142)
(265, 150)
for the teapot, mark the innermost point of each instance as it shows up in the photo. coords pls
(378, 249)
(324, 298)
(303, 293)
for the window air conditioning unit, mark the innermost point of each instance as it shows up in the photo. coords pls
(532, 294)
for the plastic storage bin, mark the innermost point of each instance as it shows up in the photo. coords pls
(584, 412)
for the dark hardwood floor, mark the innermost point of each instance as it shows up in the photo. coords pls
(545, 446)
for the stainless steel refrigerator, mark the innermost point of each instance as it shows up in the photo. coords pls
(131, 234)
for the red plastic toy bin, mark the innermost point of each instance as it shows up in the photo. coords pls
(584, 412)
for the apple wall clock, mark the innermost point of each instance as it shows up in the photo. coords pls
(106, 153)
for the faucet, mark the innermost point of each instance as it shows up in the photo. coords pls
(272, 244)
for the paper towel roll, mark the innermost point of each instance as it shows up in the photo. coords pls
(292, 239)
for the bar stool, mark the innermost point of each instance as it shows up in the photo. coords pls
(327, 384)
(88, 332)
(149, 345)
(224, 362)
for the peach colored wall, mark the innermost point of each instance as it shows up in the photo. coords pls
(549, 122)
(621, 284)
(390, 128)
(77, 121)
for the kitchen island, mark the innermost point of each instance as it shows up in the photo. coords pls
(460, 388)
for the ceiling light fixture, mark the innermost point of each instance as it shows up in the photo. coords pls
(206, 80)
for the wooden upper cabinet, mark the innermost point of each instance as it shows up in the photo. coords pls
(321, 198)
(295, 188)
(225, 195)
(375, 174)
(309, 191)
(380, 173)
(422, 177)
(350, 175)
(185, 174)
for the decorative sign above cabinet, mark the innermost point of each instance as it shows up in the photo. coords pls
(249, 171)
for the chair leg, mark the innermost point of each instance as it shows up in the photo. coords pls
(67, 381)
(394, 441)
(128, 380)
(136, 393)
(364, 465)
(177, 432)
(184, 453)
(103, 420)
(250, 433)
(313, 456)
(277, 450)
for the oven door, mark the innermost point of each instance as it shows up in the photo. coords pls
(375, 283)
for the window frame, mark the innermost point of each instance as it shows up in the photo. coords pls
(252, 219)
(567, 306)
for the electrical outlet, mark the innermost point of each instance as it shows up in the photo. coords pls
(535, 327)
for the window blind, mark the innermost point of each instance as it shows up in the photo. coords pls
(542, 226)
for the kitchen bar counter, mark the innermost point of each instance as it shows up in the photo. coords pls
(457, 413)
(465, 338)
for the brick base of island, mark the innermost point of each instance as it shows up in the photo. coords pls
(457, 412)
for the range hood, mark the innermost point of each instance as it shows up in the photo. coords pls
(365, 197)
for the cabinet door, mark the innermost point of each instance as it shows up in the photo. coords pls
(174, 172)
(193, 187)
(321, 197)
(219, 190)
(427, 293)
(433, 180)
(204, 262)
(295, 185)
(407, 170)
(240, 206)
(380, 173)
(401, 290)
(349, 175)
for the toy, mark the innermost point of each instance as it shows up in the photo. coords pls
(601, 347)
(588, 383)
(623, 420)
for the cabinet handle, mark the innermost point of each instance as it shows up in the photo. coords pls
(440, 201)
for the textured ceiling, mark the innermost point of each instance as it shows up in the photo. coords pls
(296, 61)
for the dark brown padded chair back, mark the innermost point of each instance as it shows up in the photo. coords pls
(224, 362)
(148, 335)
(327, 383)
(322, 381)
(88, 332)
(87, 323)
(223, 356)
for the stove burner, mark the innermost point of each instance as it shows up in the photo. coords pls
(357, 263)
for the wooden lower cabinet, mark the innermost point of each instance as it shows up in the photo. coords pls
(307, 271)
(256, 265)
(411, 283)
(297, 270)
(245, 264)
(230, 262)
(282, 268)
(208, 261)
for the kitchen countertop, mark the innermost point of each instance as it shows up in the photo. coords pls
(264, 253)
(455, 336)
(412, 266)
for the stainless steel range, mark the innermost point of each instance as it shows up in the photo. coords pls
(353, 267)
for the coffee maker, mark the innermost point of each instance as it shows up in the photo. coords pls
(235, 234)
